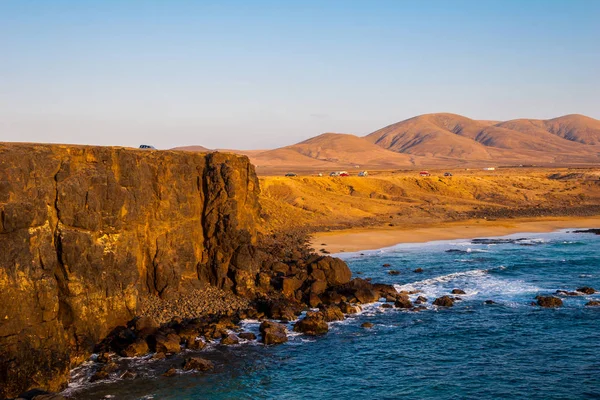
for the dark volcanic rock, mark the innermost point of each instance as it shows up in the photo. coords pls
(137, 348)
(247, 336)
(458, 291)
(567, 293)
(444, 301)
(593, 303)
(595, 231)
(394, 272)
(402, 301)
(197, 364)
(86, 232)
(549, 301)
(169, 343)
(586, 290)
(421, 300)
(489, 302)
(273, 333)
(418, 270)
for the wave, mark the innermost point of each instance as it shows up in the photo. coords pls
(477, 283)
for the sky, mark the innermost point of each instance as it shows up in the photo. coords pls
(263, 74)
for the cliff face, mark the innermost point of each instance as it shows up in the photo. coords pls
(85, 232)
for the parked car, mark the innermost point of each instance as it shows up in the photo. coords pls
(363, 173)
(334, 174)
(147, 147)
(424, 173)
(291, 174)
(344, 173)
(447, 174)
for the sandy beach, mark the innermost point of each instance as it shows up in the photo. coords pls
(350, 240)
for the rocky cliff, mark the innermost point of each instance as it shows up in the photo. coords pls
(86, 232)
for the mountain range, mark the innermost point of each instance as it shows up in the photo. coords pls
(440, 140)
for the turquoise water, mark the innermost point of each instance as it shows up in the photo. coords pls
(508, 350)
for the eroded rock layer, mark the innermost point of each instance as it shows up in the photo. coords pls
(86, 232)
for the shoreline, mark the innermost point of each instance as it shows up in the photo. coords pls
(363, 239)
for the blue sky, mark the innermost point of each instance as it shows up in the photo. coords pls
(262, 74)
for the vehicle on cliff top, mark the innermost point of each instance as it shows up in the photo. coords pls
(424, 173)
(363, 173)
(147, 147)
(291, 174)
(447, 174)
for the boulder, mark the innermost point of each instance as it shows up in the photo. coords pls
(393, 272)
(586, 290)
(273, 333)
(387, 305)
(318, 287)
(489, 302)
(313, 300)
(458, 291)
(159, 356)
(170, 372)
(167, 344)
(145, 324)
(290, 285)
(247, 336)
(195, 343)
(332, 313)
(367, 325)
(366, 295)
(336, 271)
(444, 301)
(230, 340)
(385, 290)
(593, 303)
(421, 300)
(312, 324)
(282, 309)
(138, 348)
(347, 308)
(197, 364)
(402, 301)
(418, 270)
(549, 301)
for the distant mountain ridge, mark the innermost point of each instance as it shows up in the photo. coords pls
(442, 140)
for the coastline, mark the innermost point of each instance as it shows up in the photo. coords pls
(362, 239)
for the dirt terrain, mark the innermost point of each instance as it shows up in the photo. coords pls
(405, 199)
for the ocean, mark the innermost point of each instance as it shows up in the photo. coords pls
(506, 350)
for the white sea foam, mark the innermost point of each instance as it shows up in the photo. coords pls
(476, 283)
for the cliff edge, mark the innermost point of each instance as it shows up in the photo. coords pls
(87, 232)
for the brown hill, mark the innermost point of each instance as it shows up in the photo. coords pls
(432, 135)
(439, 140)
(452, 135)
(349, 149)
(574, 127)
(199, 149)
(330, 151)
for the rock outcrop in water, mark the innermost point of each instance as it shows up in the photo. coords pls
(86, 232)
